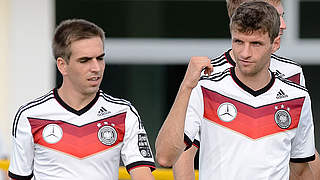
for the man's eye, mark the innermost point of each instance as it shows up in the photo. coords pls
(256, 43)
(83, 61)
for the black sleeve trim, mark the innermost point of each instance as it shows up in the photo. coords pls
(303, 160)
(17, 177)
(149, 164)
(196, 143)
(187, 141)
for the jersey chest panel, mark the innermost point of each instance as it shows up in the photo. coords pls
(239, 128)
(79, 141)
(252, 121)
(79, 136)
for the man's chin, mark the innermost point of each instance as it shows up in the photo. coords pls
(92, 90)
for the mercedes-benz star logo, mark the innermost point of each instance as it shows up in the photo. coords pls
(52, 133)
(227, 112)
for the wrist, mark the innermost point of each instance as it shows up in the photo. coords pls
(185, 88)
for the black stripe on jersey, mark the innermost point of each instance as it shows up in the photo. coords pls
(249, 104)
(149, 164)
(75, 124)
(303, 160)
(121, 102)
(229, 58)
(249, 90)
(216, 76)
(219, 61)
(29, 105)
(70, 109)
(292, 83)
(113, 98)
(187, 141)
(196, 143)
(283, 59)
(17, 177)
(223, 59)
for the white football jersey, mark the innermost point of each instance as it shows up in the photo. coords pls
(282, 67)
(53, 141)
(247, 134)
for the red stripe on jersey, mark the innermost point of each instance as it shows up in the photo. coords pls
(253, 122)
(295, 78)
(79, 141)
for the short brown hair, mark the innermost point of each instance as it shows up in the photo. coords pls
(72, 30)
(232, 5)
(256, 16)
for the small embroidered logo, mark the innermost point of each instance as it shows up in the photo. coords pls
(103, 111)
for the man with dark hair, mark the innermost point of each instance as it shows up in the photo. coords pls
(184, 167)
(251, 122)
(77, 131)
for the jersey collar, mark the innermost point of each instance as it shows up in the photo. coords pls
(67, 107)
(229, 58)
(249, 90)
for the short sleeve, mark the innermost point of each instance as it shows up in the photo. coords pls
(302, 79)
(194, 116)
(303, 145)
(136, 151)
(21, 160)
(196, 141)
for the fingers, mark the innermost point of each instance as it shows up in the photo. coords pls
(201, 63)
(196, 65)
(208, 70)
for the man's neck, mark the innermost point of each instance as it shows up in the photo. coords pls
(74, 99)
(255, 82)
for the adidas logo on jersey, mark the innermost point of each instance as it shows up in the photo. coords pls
(281, 94)
(279, 74)
(103, 111)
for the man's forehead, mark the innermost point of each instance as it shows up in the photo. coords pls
(254, 33)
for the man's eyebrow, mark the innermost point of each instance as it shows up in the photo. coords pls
(234, 39)
(88, 58)
(85, 58)
(102, 55)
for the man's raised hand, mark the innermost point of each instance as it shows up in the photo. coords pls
(195, 67)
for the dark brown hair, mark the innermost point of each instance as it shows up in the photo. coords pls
(256, 16)
(72, 30)
(232, 5)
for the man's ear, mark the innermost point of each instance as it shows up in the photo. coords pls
(62, 66)
(276, 44)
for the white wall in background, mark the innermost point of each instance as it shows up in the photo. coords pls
(28, 71)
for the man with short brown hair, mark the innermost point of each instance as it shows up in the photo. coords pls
(249, 119)
(76, 131)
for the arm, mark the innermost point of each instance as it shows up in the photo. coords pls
(300, 171)
(303, 145)
(315, 166)
(141, 173)
(3, 174)
(22, 155)
(183, 169)
(170, 140)
(136, 153)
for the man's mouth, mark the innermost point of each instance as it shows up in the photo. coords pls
(94, 78)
